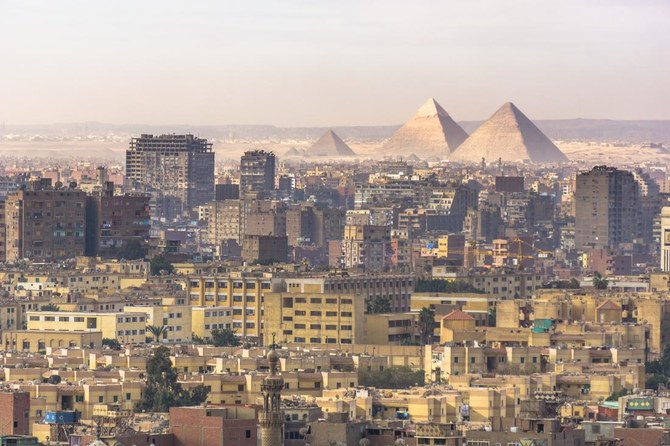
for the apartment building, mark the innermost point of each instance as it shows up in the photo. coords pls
(123, 327)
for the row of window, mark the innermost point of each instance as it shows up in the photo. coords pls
(133, 332)
(318, 327)
(236, 285)
(318, 340)
(318, 313)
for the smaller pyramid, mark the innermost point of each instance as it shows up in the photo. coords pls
(431, 132)
(294, 152)
(330, 145)
(510, 136)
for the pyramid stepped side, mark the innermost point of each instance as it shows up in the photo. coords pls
(430, 132)
(510, 136)
(330, 145)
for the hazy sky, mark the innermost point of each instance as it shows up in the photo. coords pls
(337, 62)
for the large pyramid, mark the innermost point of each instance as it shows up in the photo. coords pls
(330, 145)
(429, 133)
(510, 136)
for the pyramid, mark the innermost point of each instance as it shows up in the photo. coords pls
(330, 145)
(294, 152)
(430, 132)
(508, 135)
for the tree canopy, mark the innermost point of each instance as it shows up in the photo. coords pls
(160, 264)
(163, 390)
(392, 378)
(444, 286)
(224, 337)
(378, 304)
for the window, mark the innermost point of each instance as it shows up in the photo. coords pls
(315, 313)
(247, 434)
(315, 300)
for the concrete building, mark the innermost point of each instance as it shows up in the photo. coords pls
(265, 248)
(366, 247)
(116, 222)
(257, 172)
(245, 293)
(223, 221)
(214, 426)
(607, 206)
(46, 224)
(177, 167)
(124, 327)
(665, 239)
(330, 318)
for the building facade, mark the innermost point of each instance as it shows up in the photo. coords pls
(177, 167)
(606, 208)
(257, 172)
(43, 223)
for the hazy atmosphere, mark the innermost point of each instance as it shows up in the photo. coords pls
(306, 63)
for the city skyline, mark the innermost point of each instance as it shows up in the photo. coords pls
(319, 64)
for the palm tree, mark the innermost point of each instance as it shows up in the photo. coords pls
(157, 331)
(426, 325)
(599, 282)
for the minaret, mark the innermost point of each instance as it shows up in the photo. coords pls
(271, 419)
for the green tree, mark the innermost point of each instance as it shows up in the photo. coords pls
(655, 380)
(160, 265)
(378, 304)
(599, 282)
(224, 337)
(616, 395)
(492, 317)
(426, 325)
(197, 339)
(392, 378)
(133, 250)
(444, 286)
(50, 307)
(162, 389)
(157, 331)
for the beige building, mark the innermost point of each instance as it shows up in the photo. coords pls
(328, 318)
(38, 340)
(123, 327)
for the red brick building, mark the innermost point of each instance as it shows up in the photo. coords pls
(15, 413)
(232, 425)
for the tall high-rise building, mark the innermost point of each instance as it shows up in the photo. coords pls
(257, 172)
(665, 239)
(366, 247)
(176, 167)
(43, 223)
(117, 225)
(606, 208)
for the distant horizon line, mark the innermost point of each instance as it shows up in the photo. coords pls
(469, 121)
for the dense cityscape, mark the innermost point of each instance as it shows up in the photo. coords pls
(251, 224)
